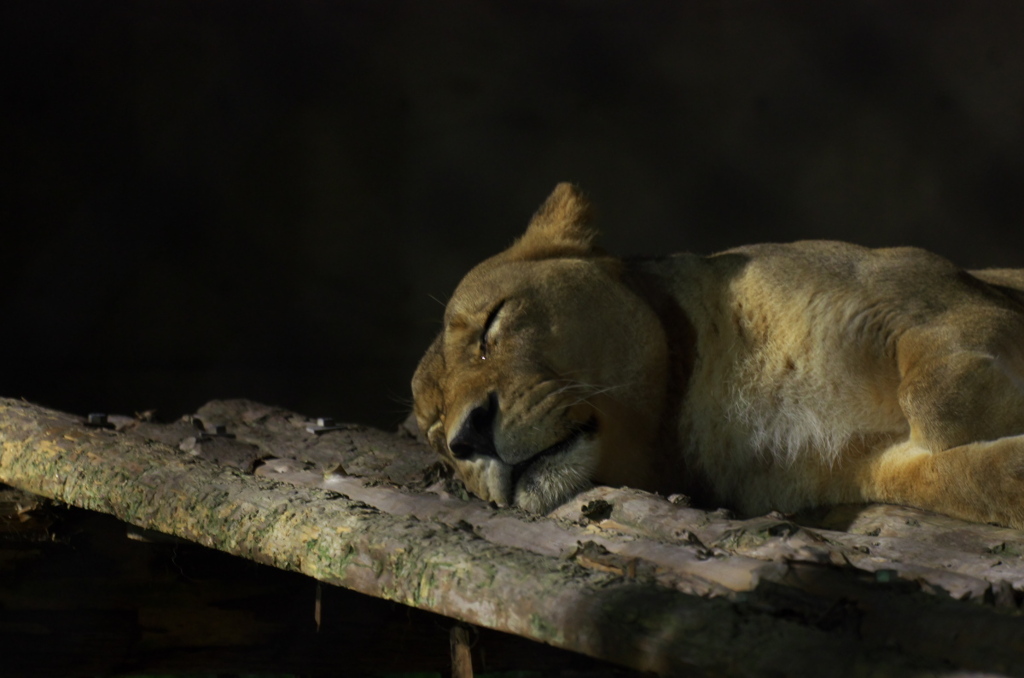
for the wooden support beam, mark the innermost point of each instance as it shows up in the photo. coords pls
(688, 591)
(462, 658)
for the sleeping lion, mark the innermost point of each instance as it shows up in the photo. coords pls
(764, 377)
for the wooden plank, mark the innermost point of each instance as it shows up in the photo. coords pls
(82, 598)
(700, 592)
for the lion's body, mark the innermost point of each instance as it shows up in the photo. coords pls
(765, 377)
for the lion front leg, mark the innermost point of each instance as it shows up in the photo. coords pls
(981, 482)
(965, 453)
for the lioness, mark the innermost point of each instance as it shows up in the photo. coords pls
(765, 377)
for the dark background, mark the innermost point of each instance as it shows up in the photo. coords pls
(209, 199)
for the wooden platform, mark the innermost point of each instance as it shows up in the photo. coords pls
(627, 577)
(84, 596)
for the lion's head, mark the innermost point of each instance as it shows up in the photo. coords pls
(549, 371)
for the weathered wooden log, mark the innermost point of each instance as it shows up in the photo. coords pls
(81, 598)
(690, 591)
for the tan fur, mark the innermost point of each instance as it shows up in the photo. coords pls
(764, 377)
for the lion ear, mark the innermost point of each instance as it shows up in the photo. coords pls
(561, 227)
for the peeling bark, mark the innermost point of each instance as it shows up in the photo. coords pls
(616, 574)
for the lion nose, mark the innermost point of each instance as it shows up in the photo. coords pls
(476, 434)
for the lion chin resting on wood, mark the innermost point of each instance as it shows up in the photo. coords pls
(765, 377)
